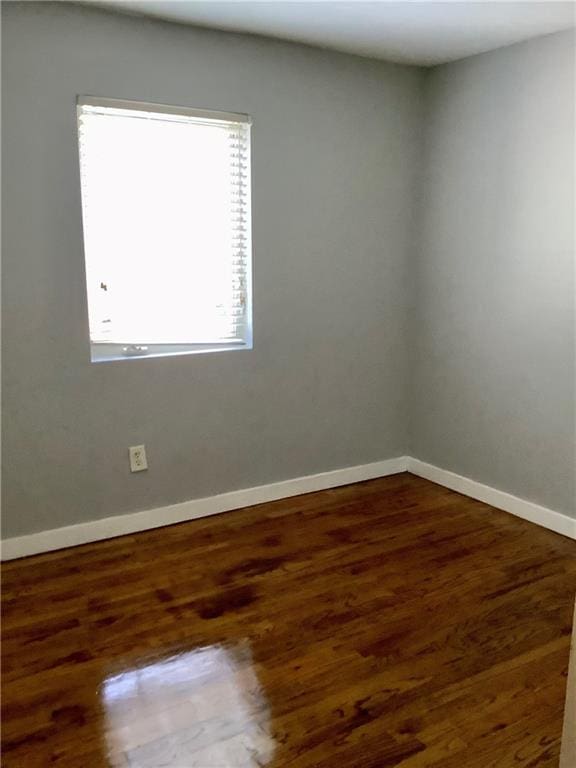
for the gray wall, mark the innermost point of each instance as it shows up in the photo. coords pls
(444, 329)
(493, 309)
(334, 155)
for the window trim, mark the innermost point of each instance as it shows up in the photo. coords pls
(106, 352)
(153, 106)
(113, 351)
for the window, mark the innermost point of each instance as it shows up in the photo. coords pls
(166, 214)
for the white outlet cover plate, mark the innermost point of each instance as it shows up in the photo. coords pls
(138, 460)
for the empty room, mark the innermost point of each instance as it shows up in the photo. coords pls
(288, 384)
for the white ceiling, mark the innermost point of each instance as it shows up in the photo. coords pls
(424, 33)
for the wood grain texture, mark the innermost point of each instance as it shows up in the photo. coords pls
(387, 623)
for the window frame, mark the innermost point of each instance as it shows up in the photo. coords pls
(104, 351)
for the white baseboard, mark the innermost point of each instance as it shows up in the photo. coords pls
(548, 518)
(119, 525)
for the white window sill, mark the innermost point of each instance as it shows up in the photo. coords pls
(102, 352)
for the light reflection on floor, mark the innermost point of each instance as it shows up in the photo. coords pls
(195, 709)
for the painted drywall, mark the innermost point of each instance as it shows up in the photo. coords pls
(444, 329)
(334, 160)
(493, 308)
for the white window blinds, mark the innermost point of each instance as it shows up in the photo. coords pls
(166, 213)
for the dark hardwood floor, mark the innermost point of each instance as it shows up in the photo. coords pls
(388, 623)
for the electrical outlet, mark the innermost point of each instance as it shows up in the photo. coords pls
(138, 460)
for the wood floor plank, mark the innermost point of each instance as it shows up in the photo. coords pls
(387, 623)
